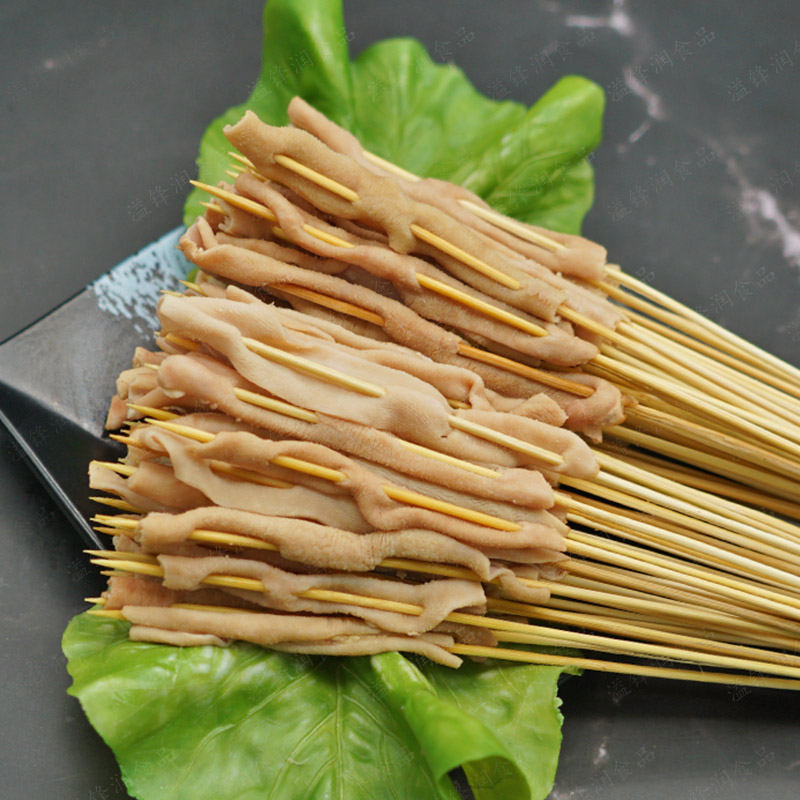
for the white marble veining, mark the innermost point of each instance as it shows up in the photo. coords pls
(617, 19)
(766, 222)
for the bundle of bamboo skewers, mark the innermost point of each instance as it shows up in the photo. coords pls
(672, 552)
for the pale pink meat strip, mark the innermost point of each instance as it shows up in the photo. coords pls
(358, 503)
(309, 543)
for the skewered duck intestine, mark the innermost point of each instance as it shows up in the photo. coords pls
(179, 484)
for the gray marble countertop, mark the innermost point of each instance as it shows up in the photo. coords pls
(697, 193)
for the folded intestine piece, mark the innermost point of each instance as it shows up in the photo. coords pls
(310, 543)
(559, 345)
(358, 502)
(283, 591)
(153, 487)
(148, 604)
(289, 632)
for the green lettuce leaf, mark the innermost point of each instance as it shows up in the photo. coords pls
(426, 117)
(244, 722)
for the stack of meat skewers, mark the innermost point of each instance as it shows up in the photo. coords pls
(385, 417)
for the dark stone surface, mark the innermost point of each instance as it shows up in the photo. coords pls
(102, 109)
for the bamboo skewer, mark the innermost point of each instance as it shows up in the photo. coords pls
(782, 420)
(617, 627)
(506, 223)
(153, 569)
(737, 418)
(636, 580)
(674, 540)
(316, 177)
(272, 404)
(525, 371)
(527, 657)
(312, 368)
(769, 482)
(628, 576)
(660, 627)
(421, 233)
(333, 303)
(677, 411)
(691, 368)
(615, 553)
(731, 634)
(704, 482)
(451, 460)
(619, 336)
(670, 569)
(640, 602)
(674, 484)
(465, 258)
(679, 615)
(609, 615)
(692, 516)
(490, 310)
(659, 536)
(215, 207)
(234, 540)
(549, 659)
(511, 442)
(739, 346)
(296, 412)
(781, 392)
(774, 434)
(762, 459)
(116, 502)
(512, 226)
(686, 550)
(654, 544)
(647, 605)
(705, 329)
(735, 571)
(726, 631)
(731, 445)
